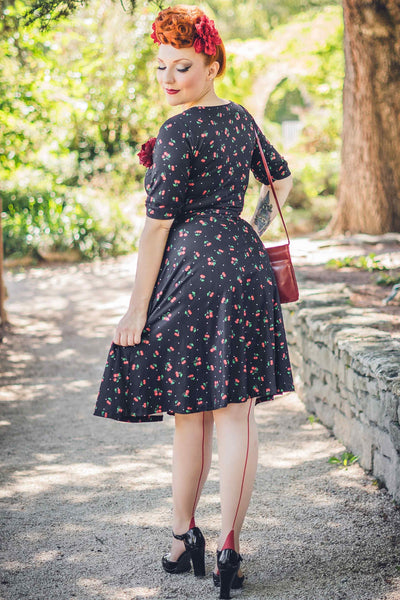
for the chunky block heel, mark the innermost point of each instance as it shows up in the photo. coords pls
(228, 562)
(228, 565)
(197, 558)
(237, 582)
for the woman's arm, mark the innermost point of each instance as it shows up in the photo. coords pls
(151, 250)
(266, 209)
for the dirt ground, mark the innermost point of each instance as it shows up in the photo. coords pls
(86, 503)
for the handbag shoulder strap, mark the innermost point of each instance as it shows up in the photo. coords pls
(272, 185)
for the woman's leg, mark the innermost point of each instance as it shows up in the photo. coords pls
(238, 455)
(190, 467)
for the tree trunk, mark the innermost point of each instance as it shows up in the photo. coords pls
(369, 189)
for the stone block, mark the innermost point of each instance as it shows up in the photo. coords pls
(394, 431)
(372, 385)
(341, 368)
(375, 409)
(347, 377)
(386, 471)
(348, 410)
(355, 436)
(325, 412)
(310, 403)
(361, 381)
(345, 397)
(312, 351)
(296, 358)
(391, 403)
(319, 386)
(383, 442)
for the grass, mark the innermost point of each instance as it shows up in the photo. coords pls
(365, 263)
(345, 460)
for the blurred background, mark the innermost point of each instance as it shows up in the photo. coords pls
(78, 97)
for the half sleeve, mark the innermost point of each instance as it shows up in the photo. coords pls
(276, 163)
(166, 181)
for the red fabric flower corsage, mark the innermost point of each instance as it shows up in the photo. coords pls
(208, 37)
(154, 35)
(146, 153)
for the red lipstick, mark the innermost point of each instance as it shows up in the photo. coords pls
(171, 91)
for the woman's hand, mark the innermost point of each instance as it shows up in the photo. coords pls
(129, 329)
(151, 250)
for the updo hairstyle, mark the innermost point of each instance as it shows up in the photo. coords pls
(175, 26)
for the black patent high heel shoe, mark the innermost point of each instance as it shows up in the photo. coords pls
(228, 564)
(237, 582)
(195, 545)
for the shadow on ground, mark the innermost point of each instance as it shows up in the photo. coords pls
(86, 502)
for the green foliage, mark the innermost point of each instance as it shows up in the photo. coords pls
(313, 419)
(366, 263)
(75, 105)
(35, 224)
(346, 459)
(388, 279)
(284, 102)
(257, 18)
(77, 101)
(46, 14)
(302, 65)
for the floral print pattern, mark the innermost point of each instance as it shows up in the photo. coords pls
(214, 332)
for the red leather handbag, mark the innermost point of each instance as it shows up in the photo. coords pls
(279, 256)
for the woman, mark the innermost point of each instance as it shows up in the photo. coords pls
(203, 338)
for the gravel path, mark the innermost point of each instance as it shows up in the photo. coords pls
(86, 502)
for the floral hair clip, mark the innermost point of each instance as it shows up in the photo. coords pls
(146, 153)
(154, 35)
(208, 36)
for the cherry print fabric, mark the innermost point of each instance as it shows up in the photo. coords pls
(214, 332)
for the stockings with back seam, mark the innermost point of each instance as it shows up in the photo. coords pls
(191, 464)
(238, 455)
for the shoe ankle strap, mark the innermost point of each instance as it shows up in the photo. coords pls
(181, 537)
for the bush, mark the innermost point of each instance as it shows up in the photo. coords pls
(42, 221)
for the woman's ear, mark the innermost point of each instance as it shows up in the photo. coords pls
(213, 69)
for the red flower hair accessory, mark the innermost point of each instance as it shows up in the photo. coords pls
(208, 36)
(154, 35)
(146, 153)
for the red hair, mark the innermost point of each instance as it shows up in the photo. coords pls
(176, 26)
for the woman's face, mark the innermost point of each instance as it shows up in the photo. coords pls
(183, 75)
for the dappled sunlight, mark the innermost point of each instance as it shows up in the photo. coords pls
(350, 479)
(79, 496)
(45, 556)
(91, 498)
(135, 517)
(44, 478)
(47, 457)
(149, 472)
(38, 416)
(77, 384)
(13, 565)
(109, 592)
(290, 457)
(13, 392)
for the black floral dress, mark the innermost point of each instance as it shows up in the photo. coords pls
(214, 332)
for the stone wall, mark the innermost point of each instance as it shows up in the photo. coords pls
(346, 363)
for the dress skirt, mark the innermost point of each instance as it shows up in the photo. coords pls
(214, 333)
